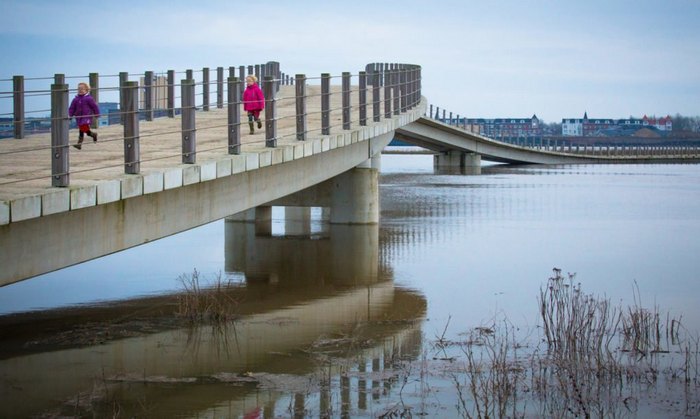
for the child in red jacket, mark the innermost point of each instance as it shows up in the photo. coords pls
(253, 101)
(84, 108)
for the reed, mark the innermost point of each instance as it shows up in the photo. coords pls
(212, 303)
(596, 359)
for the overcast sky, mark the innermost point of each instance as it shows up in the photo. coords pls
(487, 59)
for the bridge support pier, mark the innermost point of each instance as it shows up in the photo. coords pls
(355, 194)
(467, 163)
(297, 221)
(349, 255)
(261, 216)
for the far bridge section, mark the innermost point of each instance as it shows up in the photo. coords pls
(455, 146)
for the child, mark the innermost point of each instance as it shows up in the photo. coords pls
(253, 101)
(83, 107)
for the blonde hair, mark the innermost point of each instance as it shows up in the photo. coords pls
(87, 86)
(252, 77)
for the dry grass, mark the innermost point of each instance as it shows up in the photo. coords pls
(597, 361)
(212, 303)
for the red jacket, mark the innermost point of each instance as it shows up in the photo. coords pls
(253, 98)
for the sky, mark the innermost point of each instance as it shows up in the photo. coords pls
(486, 59)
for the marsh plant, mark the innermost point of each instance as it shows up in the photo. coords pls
(595, 360)
(213, 302)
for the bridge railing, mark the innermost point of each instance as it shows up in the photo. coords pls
(628, 151)
(382, 90)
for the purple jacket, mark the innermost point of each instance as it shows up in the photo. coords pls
(253, 98)
(83, 108)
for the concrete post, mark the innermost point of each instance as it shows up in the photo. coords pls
(325, 104)
(59, 78)
(270, 112)
(188, 122)
(355, 197)
(363, 98)
(60, 157)
(18, 105)
(219, 87)
(257, 71)
(234, 116)
(189, 74)
(132, 157)
(94, 80)
(205, 89)
(171, 93)
(346, 100)
(300, 90)
(148, 95)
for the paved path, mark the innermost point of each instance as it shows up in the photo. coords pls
(25, 165)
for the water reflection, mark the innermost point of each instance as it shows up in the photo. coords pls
(320, 321)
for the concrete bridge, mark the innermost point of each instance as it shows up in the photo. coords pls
(144, 180)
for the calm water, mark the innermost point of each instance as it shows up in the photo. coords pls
(324, 314)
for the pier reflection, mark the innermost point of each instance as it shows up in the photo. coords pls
(319, 325)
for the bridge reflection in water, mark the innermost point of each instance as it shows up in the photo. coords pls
(319, 325)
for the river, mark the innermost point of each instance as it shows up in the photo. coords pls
(342, 320)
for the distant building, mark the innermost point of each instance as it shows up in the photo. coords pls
(502, 127)
(588, 127)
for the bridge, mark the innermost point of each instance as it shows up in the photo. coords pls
(147, 179)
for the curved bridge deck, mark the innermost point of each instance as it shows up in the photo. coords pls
(443, 138)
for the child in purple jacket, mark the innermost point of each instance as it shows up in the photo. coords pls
(253, 101)
(84, 108)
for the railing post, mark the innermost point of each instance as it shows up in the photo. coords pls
(171, 93)
(397, 90)
(234, 116)
(219, 87)
(189, 74)
(59, 136)
(205, 89)
(404, 89)
(251, 70)
(387, 93)
(94, 80)
(363, 98)
(325, 104)
(123, 78)
(148, 95)
(132, 154)
(431, 110)
(375, 96)
(241, 77)
(18, 105)
(300, 90)
(189, 132)
(270, 112)
(346, 100)
(59, 78)
(257, 72)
